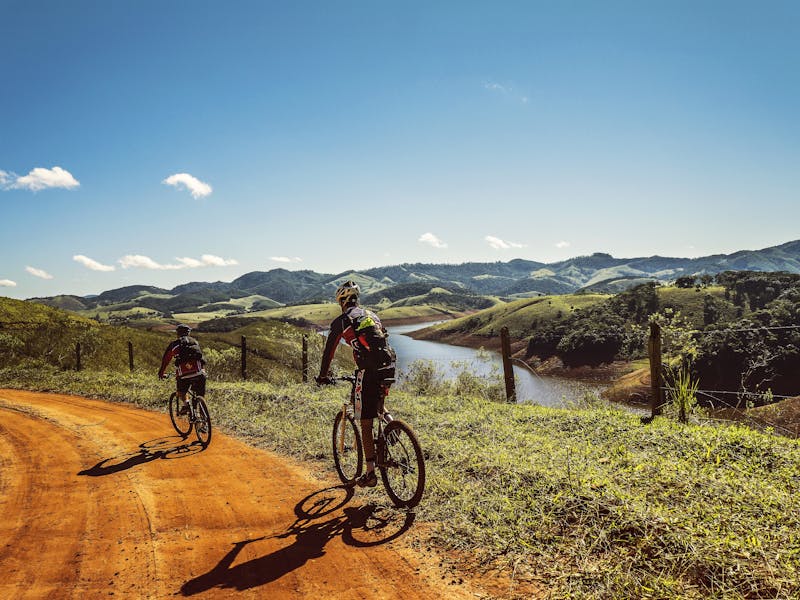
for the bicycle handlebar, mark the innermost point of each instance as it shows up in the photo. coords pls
(349, 378)
(334, 379)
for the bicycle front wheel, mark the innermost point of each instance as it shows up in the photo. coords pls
(181, 423)
(348, 453)
(402, 467)
(202, 422)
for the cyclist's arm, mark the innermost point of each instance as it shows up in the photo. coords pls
(334, 336)
(169, 354)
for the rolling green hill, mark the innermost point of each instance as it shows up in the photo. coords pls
(466, 283)
(33, 334)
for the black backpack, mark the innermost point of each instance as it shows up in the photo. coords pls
(189, 350)
(371, 343)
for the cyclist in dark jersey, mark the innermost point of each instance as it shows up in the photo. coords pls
(363, 331)
(189, 365)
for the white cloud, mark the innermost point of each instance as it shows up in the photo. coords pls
(7, 283)
(39, 179)
(38, 273)
(285, 259)
(429, 238)
(563, 244)
(216, 261)
(207, 260)
(92, 264)
(137, 261)
(198, 189)
(499, 244)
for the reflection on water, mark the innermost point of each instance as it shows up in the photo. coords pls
(451, 360)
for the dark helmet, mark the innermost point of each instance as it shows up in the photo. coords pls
(183, 330)
(347, 292)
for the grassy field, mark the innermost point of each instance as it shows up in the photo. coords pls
(522, 317)
(689, 301)
(584, 503)
(519, 315)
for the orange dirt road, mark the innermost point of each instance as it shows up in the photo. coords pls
(103, 500)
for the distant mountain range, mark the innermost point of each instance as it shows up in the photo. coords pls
(513, 279)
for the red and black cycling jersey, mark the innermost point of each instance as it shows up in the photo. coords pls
(183, 369)
(345, 327)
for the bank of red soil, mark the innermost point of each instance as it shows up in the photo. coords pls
(102, 499)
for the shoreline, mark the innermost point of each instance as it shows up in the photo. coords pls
(605, 374)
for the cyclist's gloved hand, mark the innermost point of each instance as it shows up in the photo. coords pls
(323, 380)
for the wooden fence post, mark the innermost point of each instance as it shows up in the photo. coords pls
(305, 358)
(656, 376)
(244, 357)
(130, 355)
(78, 356)
(508, 368)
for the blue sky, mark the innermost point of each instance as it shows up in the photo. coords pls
(161, 142)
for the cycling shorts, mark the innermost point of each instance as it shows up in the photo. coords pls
(196, 383)
(368, 394)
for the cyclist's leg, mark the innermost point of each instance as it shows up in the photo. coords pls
(198, 385)
(368, 441)
(369, 388)
(183, 387)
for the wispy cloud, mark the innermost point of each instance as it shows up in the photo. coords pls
(499, 244)
(198, 189)
(7, 283)
(496, 87)
(286, 259)
(563, 244)
(431, 239)
(507, 90)
(138, 261)
(92, 264)
(39, 179)
(41, 274)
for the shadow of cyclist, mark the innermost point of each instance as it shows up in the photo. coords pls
(159, 448)
(310, 539)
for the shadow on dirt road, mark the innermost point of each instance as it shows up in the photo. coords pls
(361, 526)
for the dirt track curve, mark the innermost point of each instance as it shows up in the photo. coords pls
(103, 499)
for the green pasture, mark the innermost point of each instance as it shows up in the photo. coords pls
(520, 316)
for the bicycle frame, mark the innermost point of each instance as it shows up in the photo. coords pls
(398, 455)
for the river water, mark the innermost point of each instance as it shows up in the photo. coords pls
(451, 360)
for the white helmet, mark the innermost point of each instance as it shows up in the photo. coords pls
(349, 290)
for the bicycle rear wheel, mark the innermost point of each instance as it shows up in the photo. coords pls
(202, 421)
(181, 423)
(402, 467)
(348, 453)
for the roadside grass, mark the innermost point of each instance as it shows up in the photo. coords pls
(586, 503)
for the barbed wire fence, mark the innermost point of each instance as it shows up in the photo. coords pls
(735, 403)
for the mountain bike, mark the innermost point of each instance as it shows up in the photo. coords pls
(196, 417)
(398, 455)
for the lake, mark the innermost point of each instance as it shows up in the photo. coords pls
(547, 391)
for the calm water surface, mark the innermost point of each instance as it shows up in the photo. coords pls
(451, 360)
